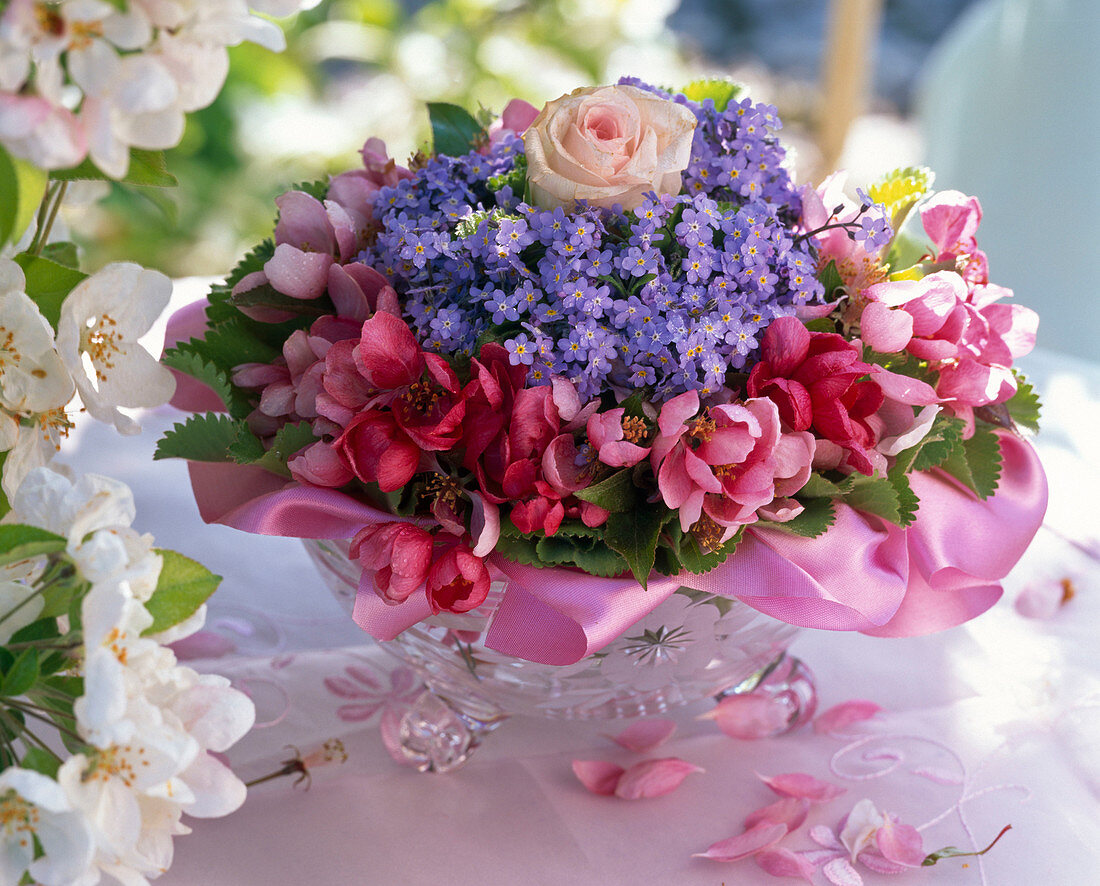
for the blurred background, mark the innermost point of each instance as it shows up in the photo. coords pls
(1000, 96)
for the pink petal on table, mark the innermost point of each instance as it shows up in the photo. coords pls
(900, 843)
(841, 716)
(599, 776)
(824, 836)
(749, 716)
(653, 778)
(203, 644)
(784, 863)
(840, 872)
(799, 784)
(1041, 599)
(790, 811)
(645, 735)
(745, 844)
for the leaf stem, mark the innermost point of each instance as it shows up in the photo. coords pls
(30, 711)
(42, 235)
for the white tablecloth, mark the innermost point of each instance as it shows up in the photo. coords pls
(993, 723)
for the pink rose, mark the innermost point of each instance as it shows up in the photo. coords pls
(607, 145)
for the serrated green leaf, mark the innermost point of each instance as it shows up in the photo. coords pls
(184, 585)
(41, 760)
(633, 535)
(816, 518)
(148, 168)
(48, 283)
(876, 495)
(246, 448)
(205, 437)
(454, 131)
(908, 503)
(720, 90)
(185, 358)
(318, 190)
(22, 674)
(288, 440)
(22, 188)
(976, 463)
(615, 494)
(944, 435)
(818, 487)
(1025, 406)
(19, 542)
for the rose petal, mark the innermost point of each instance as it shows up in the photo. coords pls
(645, 735)
(749, 716)
(840, 872)
(599, 776)
(841, 716)
(824, 836)
(784, 863)
(653, 778)
(799, 784)
(745, 844)
(790, 811)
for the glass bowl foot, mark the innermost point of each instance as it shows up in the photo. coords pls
(438, 734)
(789, 685)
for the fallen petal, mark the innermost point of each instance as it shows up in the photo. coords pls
(745, 844)
(900, 843)
(599, 776)
(653, 778)
(790, 811)
(799, 784)
(784, 863)
(645, 735)
(840, 872)
(749, 716)
(824, 836)
(839, 717)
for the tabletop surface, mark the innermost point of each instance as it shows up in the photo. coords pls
(996, 722)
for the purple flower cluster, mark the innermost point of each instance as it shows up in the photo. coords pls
(666, 298)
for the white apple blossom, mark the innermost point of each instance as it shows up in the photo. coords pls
(101, 321)
(19, 606)
(37, 439)
(32, 376)
(860, 827)
(35, 808)
(52, 501)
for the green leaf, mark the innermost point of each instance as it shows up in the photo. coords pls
(616, 494)
(182, 588)
(41, 760)
(287, 442)
(318, 189)
(454, 131)
(188, 361)
(944, 435)
(720, 90)
(976, 463)
(43, 629)
(815, 520)
(908, 503)
(48, 283)
(149, 168)
(818, 487)
(267, 296)
(1024, 407)
(882, 497)
(63, 253)
(634, 535)
(830, 278)
(18, 542)
(22, 188)
(206, 437)
(22, 675)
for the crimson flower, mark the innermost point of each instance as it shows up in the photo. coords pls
(814, 379)
(458, 581)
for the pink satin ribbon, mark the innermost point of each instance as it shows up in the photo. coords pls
(864, 574)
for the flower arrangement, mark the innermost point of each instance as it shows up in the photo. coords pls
(615, 339)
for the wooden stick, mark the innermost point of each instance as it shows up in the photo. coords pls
(853, 26)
